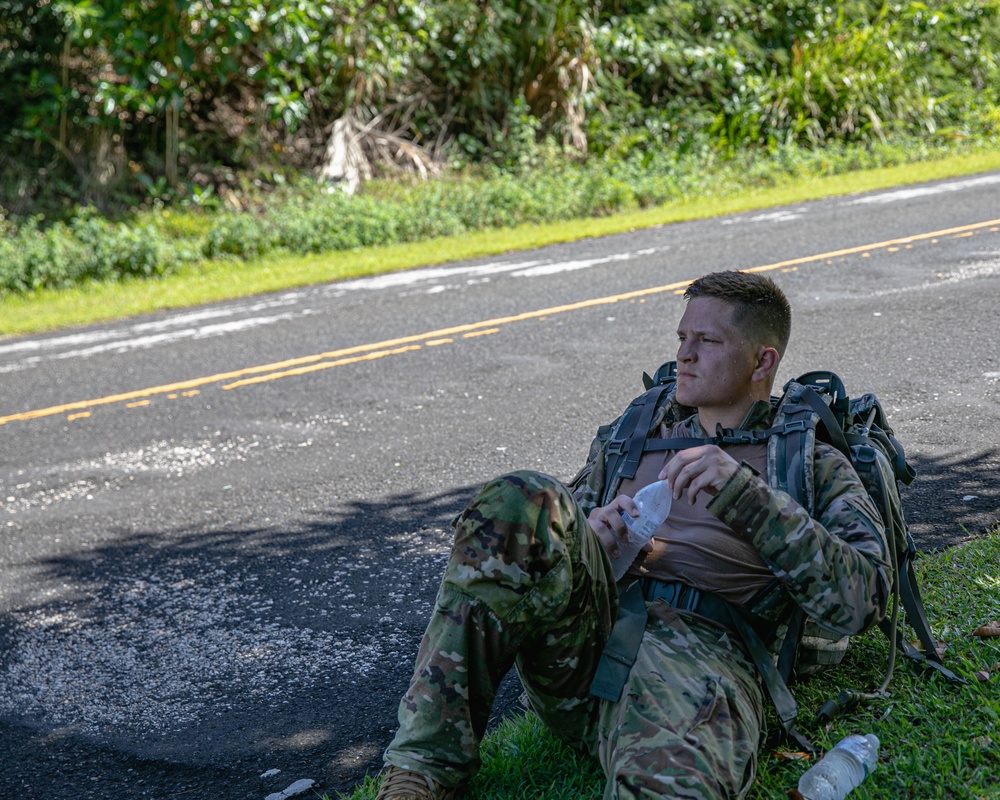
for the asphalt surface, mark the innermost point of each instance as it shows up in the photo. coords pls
(221, 530)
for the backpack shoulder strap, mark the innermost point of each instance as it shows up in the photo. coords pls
(629, 434)
(629, 451)
(811, 408)
(790, 454)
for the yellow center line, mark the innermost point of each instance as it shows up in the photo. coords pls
(486, 332)
(317, 367)
(336, 358)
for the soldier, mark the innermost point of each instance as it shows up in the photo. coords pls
(529, 583)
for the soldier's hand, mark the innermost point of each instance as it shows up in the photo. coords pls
(609, 526)
(699, 469)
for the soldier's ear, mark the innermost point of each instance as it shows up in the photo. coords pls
(766, 364)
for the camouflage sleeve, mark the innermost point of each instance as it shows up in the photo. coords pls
(836, 566)
(588, 485)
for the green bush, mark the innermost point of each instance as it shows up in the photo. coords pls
(426, 215)
(88, 248)
(117, 250)
(855, 86)
(317, 227)
(33, 259)
(347, 222)
(242, 235)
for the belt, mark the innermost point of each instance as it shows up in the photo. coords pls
(709, 607)
(620, 650)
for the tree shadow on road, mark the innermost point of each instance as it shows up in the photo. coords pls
(284, 646)
(956, 497)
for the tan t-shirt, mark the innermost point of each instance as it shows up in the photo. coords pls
(695, 547)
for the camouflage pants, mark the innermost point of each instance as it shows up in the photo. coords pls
(528, 584)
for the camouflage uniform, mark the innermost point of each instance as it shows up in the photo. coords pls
(528, 583)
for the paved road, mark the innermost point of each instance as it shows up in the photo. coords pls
(221, 529)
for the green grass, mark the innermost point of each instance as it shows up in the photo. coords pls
(938, 740)
(227, 279)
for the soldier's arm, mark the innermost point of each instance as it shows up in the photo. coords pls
(588, 485)
(835, 566)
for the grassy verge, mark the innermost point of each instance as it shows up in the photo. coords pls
(229, 279)
(938, 740)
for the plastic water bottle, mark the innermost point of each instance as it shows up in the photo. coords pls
(654, 506)
(841, 770)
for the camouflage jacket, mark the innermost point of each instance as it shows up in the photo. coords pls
(835, 565)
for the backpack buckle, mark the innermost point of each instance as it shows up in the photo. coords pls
(616, 447)
(725, 436)
(865, 454)
(796, 426)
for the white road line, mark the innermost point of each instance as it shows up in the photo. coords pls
(411, 277)
(184, 325)
(118, 344)
(925, 191)
(572, 266)
(77, 340)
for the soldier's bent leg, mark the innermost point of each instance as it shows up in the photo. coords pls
(689, 721)
(523, 581)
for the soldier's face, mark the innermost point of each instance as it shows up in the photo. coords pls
(714, 362)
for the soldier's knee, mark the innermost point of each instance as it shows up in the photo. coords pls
(515, 528)
(523, 495)
(527, 482)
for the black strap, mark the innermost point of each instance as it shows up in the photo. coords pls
(909, 596)
(637, 436)
(784, 704)
(622, 646)
(790, 646)
(687, 598)
(904, 472)
(674, 443)
(723, 437)
(834, 430)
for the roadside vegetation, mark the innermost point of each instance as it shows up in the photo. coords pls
(245, 145)
(938, 740)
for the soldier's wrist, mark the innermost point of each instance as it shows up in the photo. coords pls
(737, 499)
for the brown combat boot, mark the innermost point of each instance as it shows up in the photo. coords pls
(405, 784)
